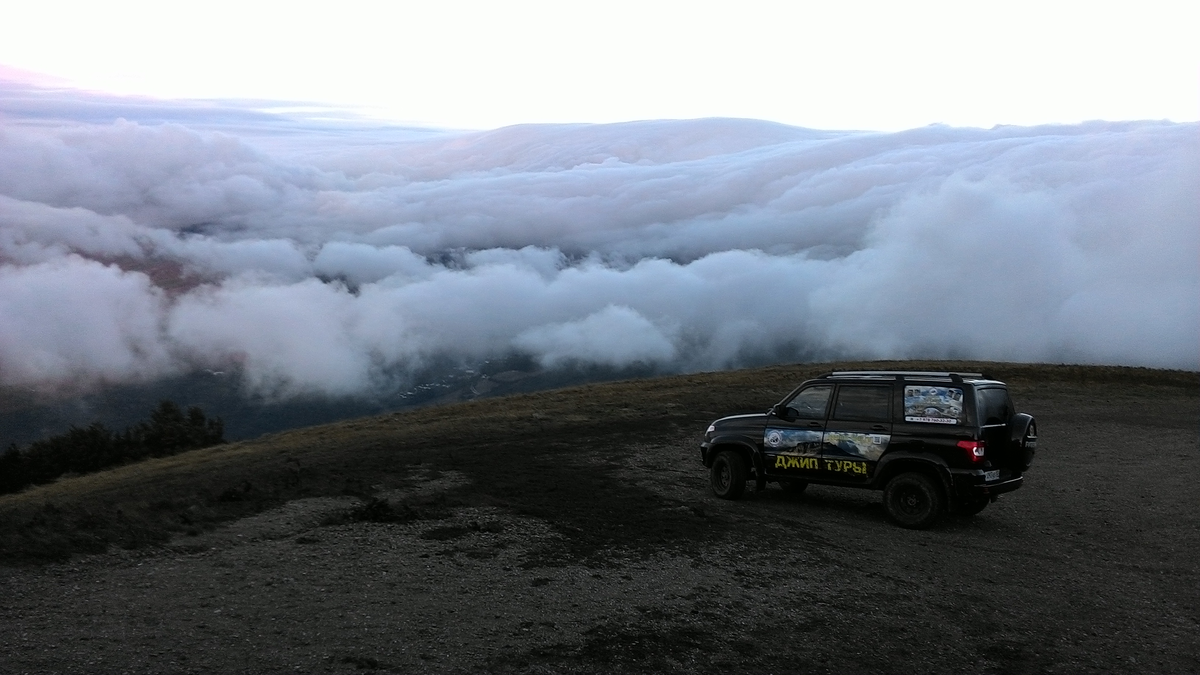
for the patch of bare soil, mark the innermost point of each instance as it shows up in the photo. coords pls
(559, 550)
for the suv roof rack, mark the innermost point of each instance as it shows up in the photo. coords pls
(902, 374)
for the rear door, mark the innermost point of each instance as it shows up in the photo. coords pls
(994, 410)
(792, 444)
(858, 431)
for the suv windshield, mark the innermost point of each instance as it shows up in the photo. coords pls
(810, 403)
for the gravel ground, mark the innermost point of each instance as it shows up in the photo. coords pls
(1092, 566)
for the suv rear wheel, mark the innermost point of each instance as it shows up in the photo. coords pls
(1028, 446)
(913, 500)
(728, 475)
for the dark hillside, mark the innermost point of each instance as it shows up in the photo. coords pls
(26, 416)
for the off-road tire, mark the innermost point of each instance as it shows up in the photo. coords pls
(795, 487)
(728, 475)
(913, 500)
(1027, 453)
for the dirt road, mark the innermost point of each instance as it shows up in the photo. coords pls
(615, 557)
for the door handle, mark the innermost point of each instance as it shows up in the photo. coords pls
(878, 427)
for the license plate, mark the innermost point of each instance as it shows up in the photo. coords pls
(989, 476)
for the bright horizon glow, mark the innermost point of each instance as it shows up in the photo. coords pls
(482, 65)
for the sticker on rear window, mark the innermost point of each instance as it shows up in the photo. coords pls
(936, 405)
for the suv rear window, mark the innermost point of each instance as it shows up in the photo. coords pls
(994, 405)
(934, 405)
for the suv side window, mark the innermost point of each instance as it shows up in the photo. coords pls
(811, 403)
(872, 403)
(993, 406)
(933, 404)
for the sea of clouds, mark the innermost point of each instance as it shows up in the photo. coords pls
(316, 255)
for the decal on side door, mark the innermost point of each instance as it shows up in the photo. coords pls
(851, 444)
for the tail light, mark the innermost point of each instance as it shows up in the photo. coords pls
(974, 449)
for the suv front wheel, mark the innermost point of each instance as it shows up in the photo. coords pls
(913, 500)
(728, 475)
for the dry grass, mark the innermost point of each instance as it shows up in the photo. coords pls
(514, 446)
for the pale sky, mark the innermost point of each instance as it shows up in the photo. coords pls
(465, 64)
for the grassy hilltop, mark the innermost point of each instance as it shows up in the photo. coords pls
(511, 449)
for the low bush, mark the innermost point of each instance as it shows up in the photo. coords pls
(169, 431)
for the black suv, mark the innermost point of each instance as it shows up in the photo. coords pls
(933, 442)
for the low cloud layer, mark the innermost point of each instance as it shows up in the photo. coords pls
(338, 258)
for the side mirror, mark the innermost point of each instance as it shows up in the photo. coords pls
(782, 412)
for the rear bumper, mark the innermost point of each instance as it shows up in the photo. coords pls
(971, 485)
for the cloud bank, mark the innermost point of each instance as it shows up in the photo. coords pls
(324, 257)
